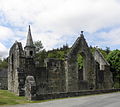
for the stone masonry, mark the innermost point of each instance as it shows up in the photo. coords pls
(3, 79)
(56, 76)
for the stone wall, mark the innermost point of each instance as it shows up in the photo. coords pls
(41, 79)
(56, 75)
(30, 66)
(16, 65)
(51, 78)
(4, 79)
(104, 75)
(73, 94)
(89, 75)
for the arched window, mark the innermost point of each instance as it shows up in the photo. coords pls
(31, 53)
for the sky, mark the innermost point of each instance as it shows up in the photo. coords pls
(57, 22)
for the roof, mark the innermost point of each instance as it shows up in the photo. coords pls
(100, 54)
(29, 38)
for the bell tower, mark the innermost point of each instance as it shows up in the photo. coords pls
(29, 48)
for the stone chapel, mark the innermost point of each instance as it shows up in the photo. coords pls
(25, 78)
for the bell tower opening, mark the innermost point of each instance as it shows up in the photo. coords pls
(31, 53)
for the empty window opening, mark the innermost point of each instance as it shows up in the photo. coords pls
(80, 66)
(31, 53)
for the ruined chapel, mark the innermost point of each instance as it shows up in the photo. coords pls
(26, 78)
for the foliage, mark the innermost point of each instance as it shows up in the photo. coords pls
(107, 50)
(55, 53)
(114, 60)
(40, 57)
(3, 63)
(38, 45)
(40, 53)
(103, 53)
(80, 61)
(58, 53)
(92, 49)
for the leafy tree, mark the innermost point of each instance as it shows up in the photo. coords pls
(38, 45)
(107, 50)
(40, 56)
(59, 53)
(3, 63)
(65, 47)
(103, 53)
(40, 53)
(80, 61)
(114, 60)
(56, 54)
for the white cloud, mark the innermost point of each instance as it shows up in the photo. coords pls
(3, 51)
(5, 33)
(110, 38)
(69, 15)
(52, 20)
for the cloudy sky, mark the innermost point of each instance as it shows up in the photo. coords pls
(57, 22)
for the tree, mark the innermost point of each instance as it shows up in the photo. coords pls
(40, 53)
(38, 45)
(80, 61)
(103, 53)
(65, 47)
(3, 63)
(40, 56)
(114, 60)
(107, 50)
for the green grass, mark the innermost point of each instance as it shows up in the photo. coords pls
(8, 98)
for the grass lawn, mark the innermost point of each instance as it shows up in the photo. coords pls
(8, 98)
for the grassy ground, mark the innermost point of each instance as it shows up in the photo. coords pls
(8, 98)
